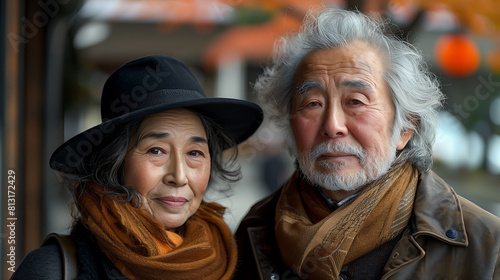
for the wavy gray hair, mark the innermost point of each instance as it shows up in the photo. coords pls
(414, 89)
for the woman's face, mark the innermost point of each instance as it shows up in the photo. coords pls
(170, 165)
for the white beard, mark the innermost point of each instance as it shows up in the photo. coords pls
(374, 166)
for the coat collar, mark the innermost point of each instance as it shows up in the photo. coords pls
(438, 212)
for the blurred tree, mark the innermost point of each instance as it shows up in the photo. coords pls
(480, 16)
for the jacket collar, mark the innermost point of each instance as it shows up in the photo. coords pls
(438, 212)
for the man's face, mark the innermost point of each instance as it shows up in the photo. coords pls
(342, 115)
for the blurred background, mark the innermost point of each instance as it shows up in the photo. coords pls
(56, 55)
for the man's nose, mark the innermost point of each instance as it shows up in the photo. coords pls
(175, 170)
(334, 121)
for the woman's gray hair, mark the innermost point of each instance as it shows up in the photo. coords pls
(104, 166)
(415, 91)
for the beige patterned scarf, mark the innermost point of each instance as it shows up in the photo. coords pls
(316, 242)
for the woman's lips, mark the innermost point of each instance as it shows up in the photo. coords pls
(173, 201)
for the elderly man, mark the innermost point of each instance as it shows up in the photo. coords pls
(359, 108)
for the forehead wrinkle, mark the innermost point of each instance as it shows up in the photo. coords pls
(352, 66)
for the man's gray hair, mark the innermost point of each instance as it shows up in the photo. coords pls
(415, 91)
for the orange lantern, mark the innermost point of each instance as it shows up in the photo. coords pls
(457, 55)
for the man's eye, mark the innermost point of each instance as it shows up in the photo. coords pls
(355, 102)
(313, 104)
(156, 151)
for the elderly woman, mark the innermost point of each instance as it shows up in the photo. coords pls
(138, 179)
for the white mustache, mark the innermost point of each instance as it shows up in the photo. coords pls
(336, 147)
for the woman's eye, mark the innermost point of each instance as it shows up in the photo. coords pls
(156, 151)
(196, 153)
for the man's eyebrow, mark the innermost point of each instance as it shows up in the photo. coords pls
(356, 84)
(307, 85)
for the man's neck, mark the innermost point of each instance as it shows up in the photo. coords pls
(334, 204)
(338, 195)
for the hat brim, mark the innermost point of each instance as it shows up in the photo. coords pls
(238, 117)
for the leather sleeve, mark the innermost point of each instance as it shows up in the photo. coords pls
(261, 214)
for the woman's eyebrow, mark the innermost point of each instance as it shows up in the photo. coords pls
(198, 139)
(163, 135)
(154, 135)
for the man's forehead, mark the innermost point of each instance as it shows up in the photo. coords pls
(358, 53)
(350, 67)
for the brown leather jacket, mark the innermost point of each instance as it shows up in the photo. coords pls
(448, 237)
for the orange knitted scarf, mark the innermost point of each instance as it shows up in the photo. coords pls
(317, 242)
(141, 248)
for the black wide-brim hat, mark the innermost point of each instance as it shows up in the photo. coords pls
(150, 85)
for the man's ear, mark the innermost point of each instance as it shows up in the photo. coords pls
(405, 137)
(407, 134)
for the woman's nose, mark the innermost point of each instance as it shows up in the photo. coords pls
(175, 169)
